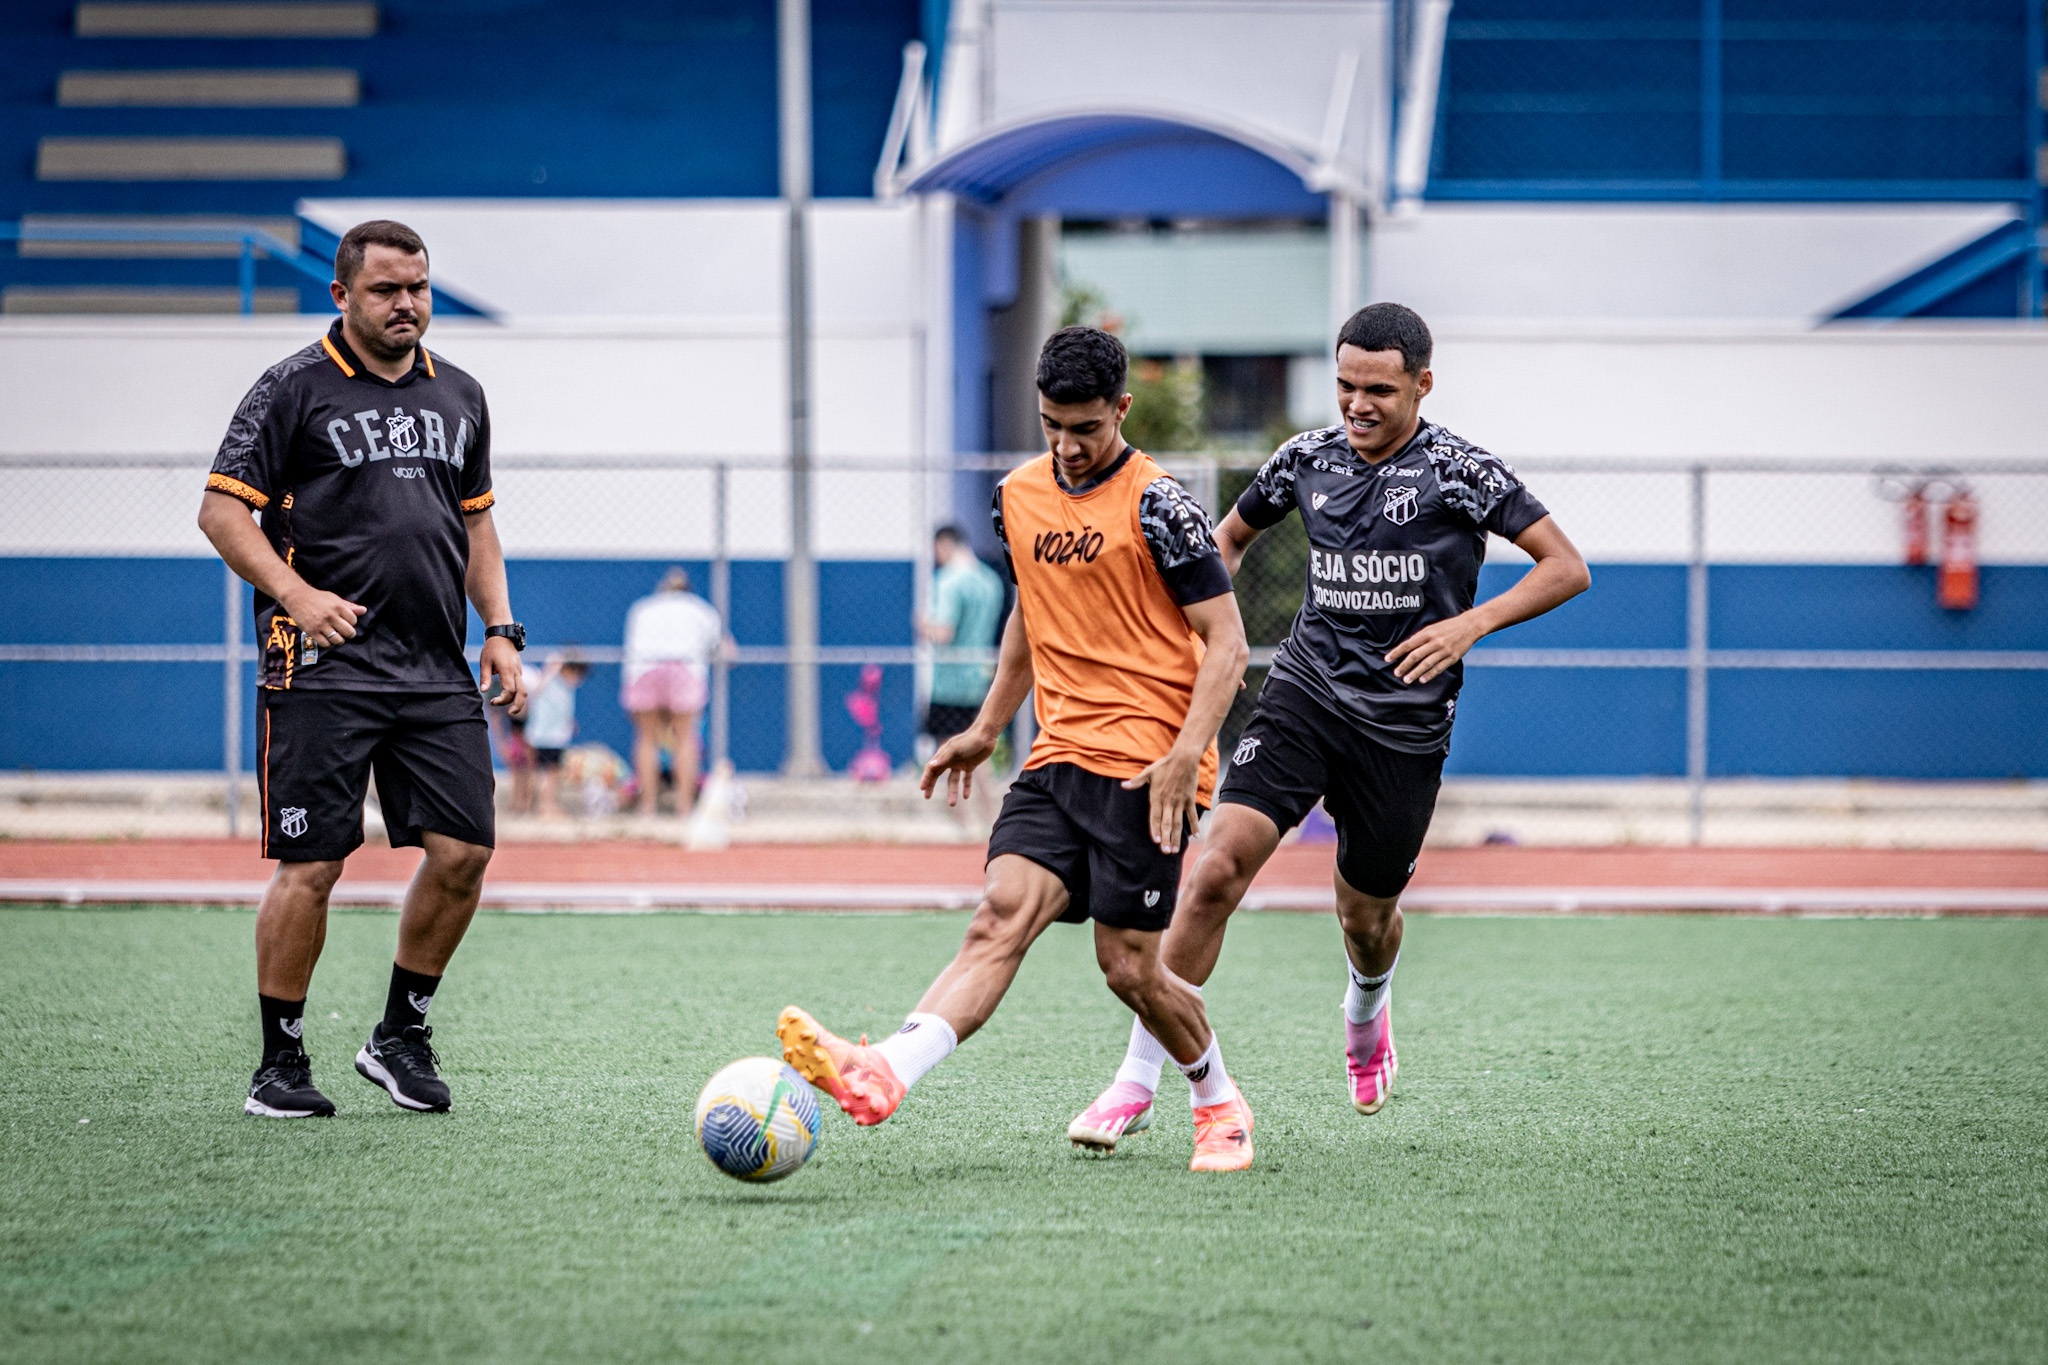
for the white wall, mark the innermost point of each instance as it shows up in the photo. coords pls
(1578, 261)
(717, 263)
(1917, 396)
(1920, 396)
(1898, 392)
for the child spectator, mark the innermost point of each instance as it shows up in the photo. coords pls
(551, 724)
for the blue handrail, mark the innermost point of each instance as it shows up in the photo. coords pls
(251, 240)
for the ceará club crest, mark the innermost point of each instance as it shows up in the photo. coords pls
(1400, 505)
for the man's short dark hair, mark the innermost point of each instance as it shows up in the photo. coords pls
(950, 532)
(1080, 363)
(1389, 327)
(348, 257)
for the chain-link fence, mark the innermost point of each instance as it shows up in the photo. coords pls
(1750, 622)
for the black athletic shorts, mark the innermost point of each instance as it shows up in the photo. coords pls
(942, 720)
(547, 760)
(1296, 751)
(1097, 839)
(431, 752)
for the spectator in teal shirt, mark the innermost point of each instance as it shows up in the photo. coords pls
(966, 614)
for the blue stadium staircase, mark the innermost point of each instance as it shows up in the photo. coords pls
(226, 115)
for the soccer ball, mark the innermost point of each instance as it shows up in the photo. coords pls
(757, 1120)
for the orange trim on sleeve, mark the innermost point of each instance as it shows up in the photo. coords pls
(235, 488)
(479, 503)
(429, 359)
(327, 345)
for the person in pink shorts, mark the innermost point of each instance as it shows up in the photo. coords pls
(672, 635)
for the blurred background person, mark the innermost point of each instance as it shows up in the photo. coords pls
(966, 615)
(551, 724)
(510, 732)
(672, 635)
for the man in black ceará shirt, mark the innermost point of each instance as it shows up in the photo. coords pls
(1357, 709)
(368, 462)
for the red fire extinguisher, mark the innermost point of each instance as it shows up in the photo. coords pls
(1915, 505)
(1956, 583)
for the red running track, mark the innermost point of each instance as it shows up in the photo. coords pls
(651, 875)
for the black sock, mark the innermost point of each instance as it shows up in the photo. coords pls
(283, 1023)
(410, 995)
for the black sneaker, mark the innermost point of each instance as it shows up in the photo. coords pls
(282, 1088)
(404, 1065)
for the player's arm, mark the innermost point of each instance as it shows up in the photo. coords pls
(492, 599)
(1264, 504)
(959, 756)
(225, 520)
(1173, 779)
(1233, 537)
(1559, 575)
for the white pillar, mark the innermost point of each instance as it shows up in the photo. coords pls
(801, 756)
(1344, 259)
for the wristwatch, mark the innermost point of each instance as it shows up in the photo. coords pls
(515, 632)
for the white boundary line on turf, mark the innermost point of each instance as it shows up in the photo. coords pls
(629, 897)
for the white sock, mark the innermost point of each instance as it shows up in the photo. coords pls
(922, 1043)
(1208, 1082)
(1368, 995)
(1144, 1059)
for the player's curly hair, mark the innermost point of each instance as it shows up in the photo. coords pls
(1389, 327)
(348, 257)
(1080, 363)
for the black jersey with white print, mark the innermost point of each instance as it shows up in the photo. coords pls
(1393, 547)
(1177, 532)
(362, 484)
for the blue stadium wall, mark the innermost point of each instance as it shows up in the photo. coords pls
(1512, 722)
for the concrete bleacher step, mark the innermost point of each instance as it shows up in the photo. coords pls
(161, 20)
(317, 88)
(54, 299)
(142, 247)
(190, 158)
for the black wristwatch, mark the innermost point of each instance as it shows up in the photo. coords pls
(515, 632)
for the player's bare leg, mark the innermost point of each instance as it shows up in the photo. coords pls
(291, 928)
(1238, 843)
(683, 752)
(1020, 900)
(1372, 941)
(440, 903)
(653, 731)
(1170, 1009)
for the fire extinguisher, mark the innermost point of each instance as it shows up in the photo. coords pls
(1915, 505)
(1956, 583)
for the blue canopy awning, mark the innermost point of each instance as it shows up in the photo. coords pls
(1123, 162)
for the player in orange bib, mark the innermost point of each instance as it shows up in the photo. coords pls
(1128, 633)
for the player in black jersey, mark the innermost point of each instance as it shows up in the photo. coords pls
(1358, 707)
(368, 462)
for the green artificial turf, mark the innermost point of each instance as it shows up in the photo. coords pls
(1613, 1139)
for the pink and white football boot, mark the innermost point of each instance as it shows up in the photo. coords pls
(1118, 1112)
(1370, 1060)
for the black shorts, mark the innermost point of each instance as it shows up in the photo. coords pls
(431, 752)
(942, 720)
(1296, 751)
(547, 760)
(1096, 838)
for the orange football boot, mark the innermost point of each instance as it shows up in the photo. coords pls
(856, 1075)
(1223, 1135)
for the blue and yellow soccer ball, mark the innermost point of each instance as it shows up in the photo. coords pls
(757, 1120)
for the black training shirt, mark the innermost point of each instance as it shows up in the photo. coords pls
(1393, 547)
(1176, 531)
(362, 484)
